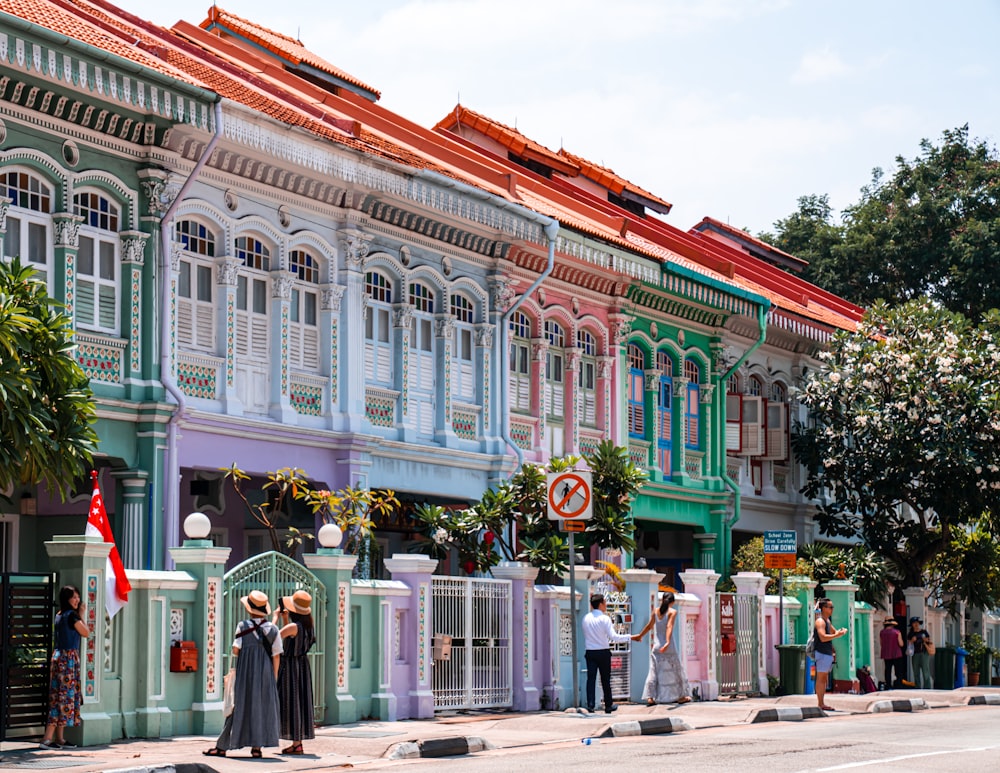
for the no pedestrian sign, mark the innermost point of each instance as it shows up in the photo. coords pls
(569, 495)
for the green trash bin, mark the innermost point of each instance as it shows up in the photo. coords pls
(792, 668)
(944, 668)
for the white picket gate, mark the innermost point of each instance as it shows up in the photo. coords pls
(476, 613)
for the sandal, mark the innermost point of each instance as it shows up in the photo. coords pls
(650, 702)
(685, 699)
(215, 751)
(256, 753)
(295, 748)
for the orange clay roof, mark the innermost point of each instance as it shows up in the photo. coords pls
(93, 31)
(744, 236)
(282, 45)
(606, 178)
(511, 139)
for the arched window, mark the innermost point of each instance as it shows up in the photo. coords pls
(636, 392)
(303, 328)
(519, 384)
(378, 329)
(756, 387)
(253, 327)
(97, 264)
(195, 310)
(777, 423)
(555, 389)
(587, 393)
(692, 407)
(733, 385)
(664, 409)
(29, 225)
(463, 384)
(253, 253)
(421, 373)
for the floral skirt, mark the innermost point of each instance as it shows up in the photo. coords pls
(64, 688)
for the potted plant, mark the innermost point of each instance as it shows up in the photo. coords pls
(976, 650)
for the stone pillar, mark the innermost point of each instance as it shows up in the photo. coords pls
(207, 564)
(805, 592)
(554, 673)
(701, 583)
(416, 570)
(642, 585)
(916, 601)
(584, 576)
(706, 549)
(525, 680)
(444, 352)
(82, 562)
(754, 584)
(133, 520)
(280, 407)
(841, 593)
(333, 569)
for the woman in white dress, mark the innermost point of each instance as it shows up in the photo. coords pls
(667, 682)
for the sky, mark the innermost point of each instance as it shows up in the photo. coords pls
(727, 108)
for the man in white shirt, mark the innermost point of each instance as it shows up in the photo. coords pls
(598, 636)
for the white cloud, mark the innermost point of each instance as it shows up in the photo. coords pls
(820, 66)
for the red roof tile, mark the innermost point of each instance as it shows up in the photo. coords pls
(618, 185)
(282, 45)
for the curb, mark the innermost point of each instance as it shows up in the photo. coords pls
(904, 704)
(788, 714)
(656, 726)
(984, 700)
(455, 746)
(184, 767)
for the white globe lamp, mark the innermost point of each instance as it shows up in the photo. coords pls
(197, 526)
(330, 535)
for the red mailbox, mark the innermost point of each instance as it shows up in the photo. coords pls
(184, 656)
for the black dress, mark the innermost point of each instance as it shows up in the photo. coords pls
(295, 693)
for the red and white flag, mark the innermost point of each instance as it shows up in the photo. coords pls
(117, 585)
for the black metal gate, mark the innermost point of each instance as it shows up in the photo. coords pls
(26, 611)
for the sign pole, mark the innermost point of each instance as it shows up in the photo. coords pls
(572, 613)
(781, 606)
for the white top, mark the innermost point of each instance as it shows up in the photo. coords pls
(599, 632)
(265, 626)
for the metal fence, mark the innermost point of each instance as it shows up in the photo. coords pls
(476, 614)
(738, 623)
(278, 575)
(25, 650)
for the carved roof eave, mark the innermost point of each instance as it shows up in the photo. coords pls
(810, 338)
(384, 191)
(58, 107)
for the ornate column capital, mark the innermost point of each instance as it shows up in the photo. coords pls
(159, 190)
(573, 356)
(501, 293)
(133, 246)
(228, 270)
(444, 327)
(539, 348)
(331, 296)
(67, 228)
(705, 393)
(281, 285)
(604, 366)
(652, 379)
(621, 327)
(5, 202)
(402, 316)
(356, 246)
(484, 336)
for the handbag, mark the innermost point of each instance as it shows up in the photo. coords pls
(909, 650)
(228, 693)
(929, 647)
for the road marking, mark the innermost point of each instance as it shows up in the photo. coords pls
(885, 760)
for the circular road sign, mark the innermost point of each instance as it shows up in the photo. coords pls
(569, 495)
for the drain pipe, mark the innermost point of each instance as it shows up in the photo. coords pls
(551, 229)
(730, 521)
(171, 491)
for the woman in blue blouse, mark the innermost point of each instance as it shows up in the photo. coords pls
(64, 681)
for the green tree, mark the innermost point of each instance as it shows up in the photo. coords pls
(902, 448)
(482, 533)
(46, 405)
(865, 568)
(969, 569)
(929, 228)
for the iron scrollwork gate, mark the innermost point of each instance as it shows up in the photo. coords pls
(26, 611)
(476, 613)
(277, 575)
(620, 611)
(738, 645)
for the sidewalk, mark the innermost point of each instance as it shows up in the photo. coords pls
(361, 742)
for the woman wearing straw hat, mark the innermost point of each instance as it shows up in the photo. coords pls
(257, 655)
(295, 694)
(891, 641)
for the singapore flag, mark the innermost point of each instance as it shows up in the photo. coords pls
(117, 584)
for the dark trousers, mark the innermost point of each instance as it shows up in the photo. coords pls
(598, 661)
(897, 667)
